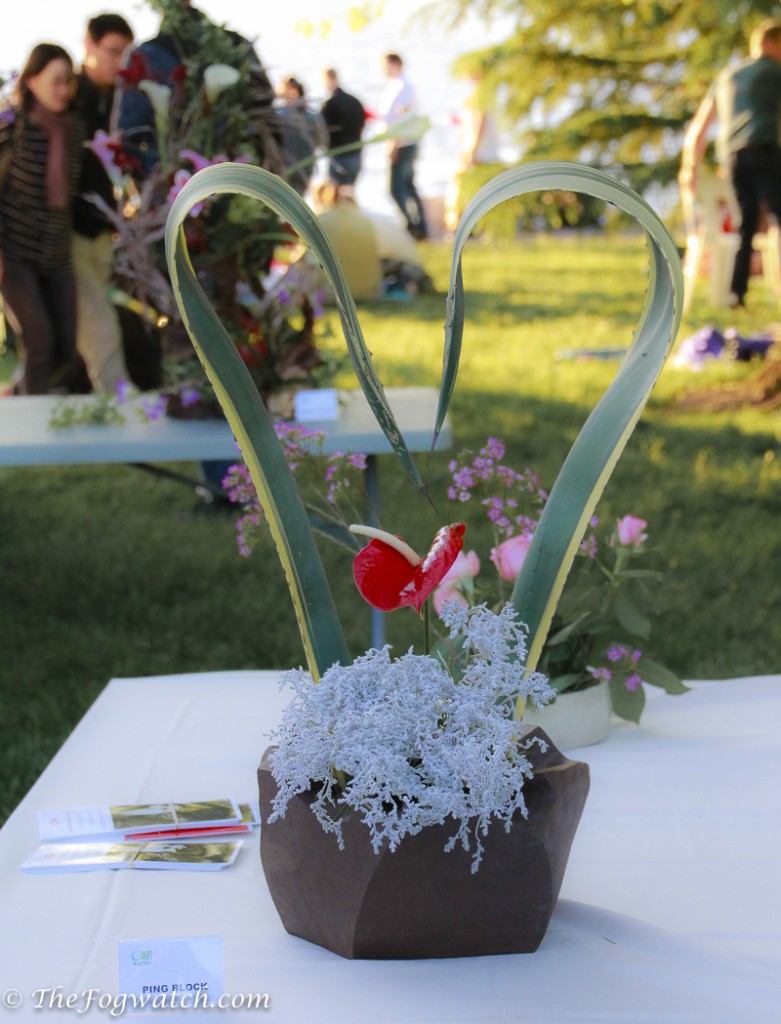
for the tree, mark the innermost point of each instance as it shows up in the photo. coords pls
(606, 82)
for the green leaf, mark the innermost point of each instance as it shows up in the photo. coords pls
(598, 446)
(627, 704)
(630, 616)
(563, 682)
(564, 634)
(321, 631)
(658, 675)
(264, 187)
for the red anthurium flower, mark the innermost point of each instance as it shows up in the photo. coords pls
(390, 575)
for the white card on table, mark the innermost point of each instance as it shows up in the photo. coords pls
(55, 858)
(317, 404)
(84, 823)
(187, 972)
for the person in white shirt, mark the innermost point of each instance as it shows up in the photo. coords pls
(397, 101)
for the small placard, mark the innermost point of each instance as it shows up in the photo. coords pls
(171, 973)
(318, 404)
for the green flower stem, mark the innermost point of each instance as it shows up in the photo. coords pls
(427, 626)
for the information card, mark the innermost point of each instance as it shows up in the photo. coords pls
(182, 973)
(318, 404)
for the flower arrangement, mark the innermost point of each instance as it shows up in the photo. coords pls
(350, 736)
(601, 628)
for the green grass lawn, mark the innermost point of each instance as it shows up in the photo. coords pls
(110, 572)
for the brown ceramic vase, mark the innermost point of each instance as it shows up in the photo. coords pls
(419, 901)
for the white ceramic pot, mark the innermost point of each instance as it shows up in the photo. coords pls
(577, 719)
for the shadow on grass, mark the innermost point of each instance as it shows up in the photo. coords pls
(483, 307)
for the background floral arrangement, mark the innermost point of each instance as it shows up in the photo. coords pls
(214, 107)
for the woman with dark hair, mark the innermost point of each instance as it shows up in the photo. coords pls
(40, 159)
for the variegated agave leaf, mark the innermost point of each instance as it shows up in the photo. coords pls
(318, 621)
(598, 446)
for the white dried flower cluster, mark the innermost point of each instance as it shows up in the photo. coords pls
(403, 745)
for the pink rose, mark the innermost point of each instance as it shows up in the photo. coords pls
(630, 530)
(465, 567)
(509, 556)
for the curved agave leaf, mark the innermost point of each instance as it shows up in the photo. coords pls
(252, 426)
(256, 183)
(318, 621)
(598, 446)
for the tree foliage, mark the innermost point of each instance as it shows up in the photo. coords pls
(606, 82)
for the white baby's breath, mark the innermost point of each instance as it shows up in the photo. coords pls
(402, 744)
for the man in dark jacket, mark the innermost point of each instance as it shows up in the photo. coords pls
(344, 117)
(99, 338)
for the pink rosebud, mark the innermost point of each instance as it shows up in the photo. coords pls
(465, 567)
(444, 595)
(509, 556)
(630, 530)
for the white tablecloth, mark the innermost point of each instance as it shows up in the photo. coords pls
(670, 909)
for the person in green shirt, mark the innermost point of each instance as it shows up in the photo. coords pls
(745, 99)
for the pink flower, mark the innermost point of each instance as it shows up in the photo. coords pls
(509, 556)
(465, 567)
(106, 149)
(630, 531)
(198, 161)
(180, 180)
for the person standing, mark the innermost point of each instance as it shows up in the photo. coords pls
(304, 135)
(344, 118)
(398, 100)
(98, 336)
(40, 156)
(746, 102)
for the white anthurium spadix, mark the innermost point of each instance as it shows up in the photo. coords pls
(587, 467)
(409, 128)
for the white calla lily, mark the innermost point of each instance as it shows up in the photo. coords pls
(218, 77)
(160, 98)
